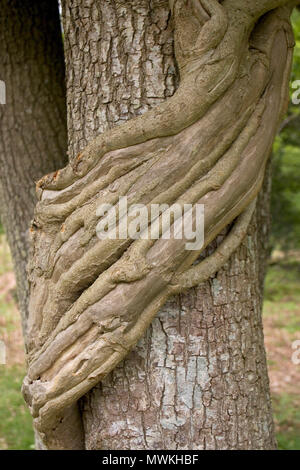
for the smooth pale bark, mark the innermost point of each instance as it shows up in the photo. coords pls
(33, 135)
(198, 379)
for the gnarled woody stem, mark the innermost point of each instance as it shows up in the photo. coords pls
(92, 300)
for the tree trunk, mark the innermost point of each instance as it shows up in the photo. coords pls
(33, 137)
(198, 379)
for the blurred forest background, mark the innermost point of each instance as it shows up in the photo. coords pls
(281, 306)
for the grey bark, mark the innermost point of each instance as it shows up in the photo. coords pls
(33, 138)
(198, 380)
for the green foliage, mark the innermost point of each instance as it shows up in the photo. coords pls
(296, 27)
(281, 314)
(16, 431)
(287, 419)
(286, 167)
(282, 295)
(283, 281)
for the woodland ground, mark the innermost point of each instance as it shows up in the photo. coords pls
(282, 327)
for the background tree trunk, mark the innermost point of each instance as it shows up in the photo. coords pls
(198, 380)
(33, 121)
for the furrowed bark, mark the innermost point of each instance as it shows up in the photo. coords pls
(33, 121)
(92, 301)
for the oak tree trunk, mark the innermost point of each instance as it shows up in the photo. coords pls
(33, 139)
(198, 379)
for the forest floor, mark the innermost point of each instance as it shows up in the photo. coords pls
(281, 325)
